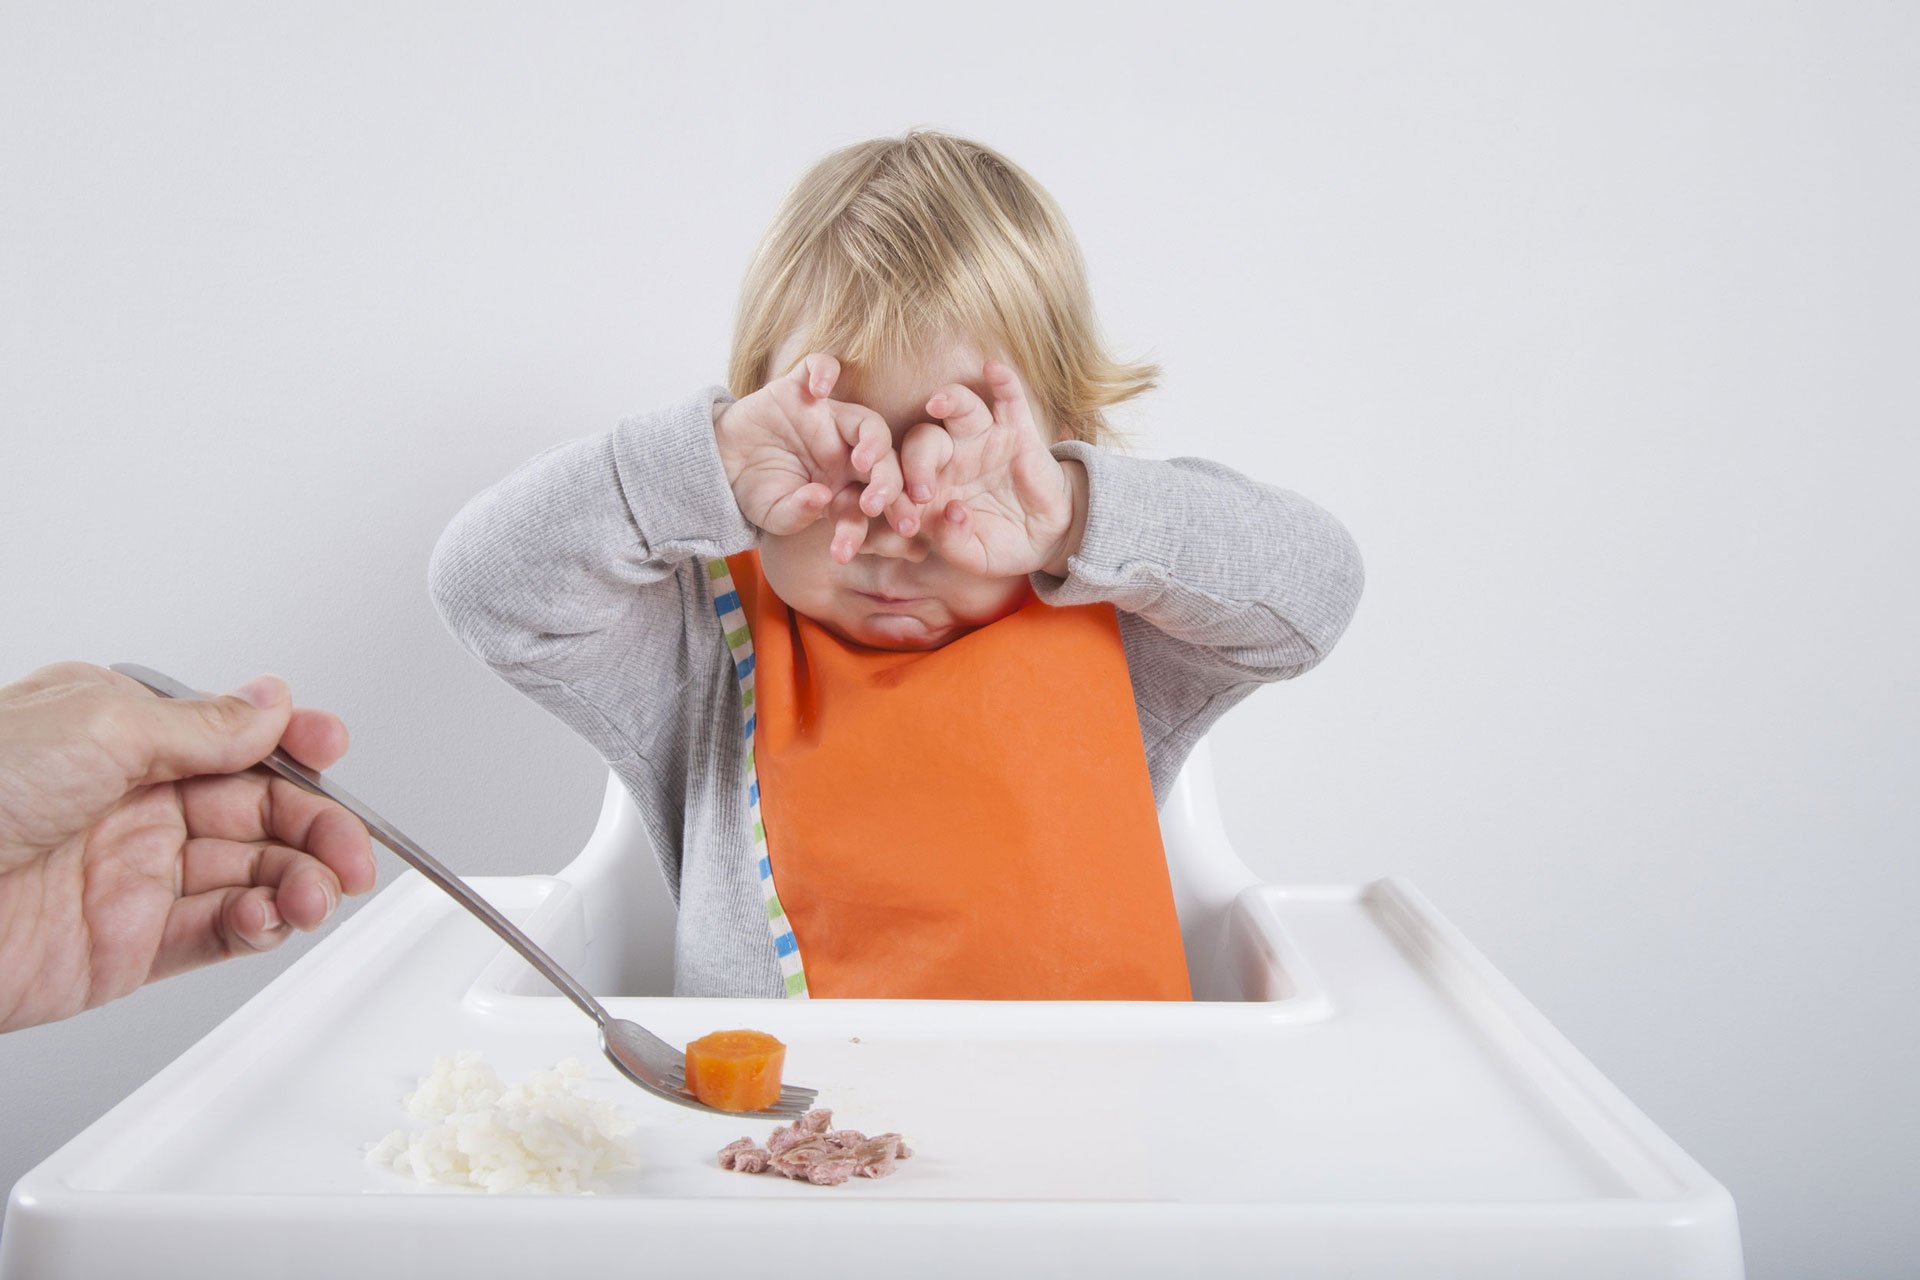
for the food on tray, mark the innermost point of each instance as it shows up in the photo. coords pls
(736, 1070)
(538, 1135)
(808, 1150)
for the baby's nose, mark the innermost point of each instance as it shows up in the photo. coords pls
(884, 540)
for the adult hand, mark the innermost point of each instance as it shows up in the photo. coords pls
(793, 454)
(998, 502)
(134, 845)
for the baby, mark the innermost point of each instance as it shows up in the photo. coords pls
(894, 654)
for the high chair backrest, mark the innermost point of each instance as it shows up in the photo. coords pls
(630, 914)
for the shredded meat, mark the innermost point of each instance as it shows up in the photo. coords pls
(743, 1156)
(808, 1150)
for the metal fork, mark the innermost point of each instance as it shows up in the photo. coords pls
(640, 1055)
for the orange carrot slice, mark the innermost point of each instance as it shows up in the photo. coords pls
(736, 1070)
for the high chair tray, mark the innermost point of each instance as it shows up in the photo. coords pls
(1384, 1104)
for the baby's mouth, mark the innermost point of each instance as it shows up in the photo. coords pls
(889, 600)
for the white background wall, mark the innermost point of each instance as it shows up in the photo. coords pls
(1596, 324)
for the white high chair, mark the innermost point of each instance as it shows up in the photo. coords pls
(1357, 1094)
(630, 914)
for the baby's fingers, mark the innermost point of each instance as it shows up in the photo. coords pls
(923, 452)
(904, 516)
(849, 527)
(816, 375)
(952, 530)
(866, 434)
(964, 413)
(883, 486)
(1009, 397)
(797, 510)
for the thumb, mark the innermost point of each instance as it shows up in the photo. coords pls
(168, 738)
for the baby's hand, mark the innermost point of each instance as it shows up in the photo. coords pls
(1001, 505)
(789, 452)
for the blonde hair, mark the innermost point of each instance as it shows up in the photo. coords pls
(886, 246)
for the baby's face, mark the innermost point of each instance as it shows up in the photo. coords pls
(896, 593)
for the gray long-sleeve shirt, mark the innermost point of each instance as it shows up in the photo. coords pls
(580, 578)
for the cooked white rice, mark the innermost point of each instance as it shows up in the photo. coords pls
(538, 1136)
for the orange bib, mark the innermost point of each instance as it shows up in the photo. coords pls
(972, 822)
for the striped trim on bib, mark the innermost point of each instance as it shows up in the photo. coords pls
(733, 623)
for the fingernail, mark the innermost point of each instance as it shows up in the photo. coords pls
(262, 691)
(269, 917)
(921, 493)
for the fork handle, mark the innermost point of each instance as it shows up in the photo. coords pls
(392, 837)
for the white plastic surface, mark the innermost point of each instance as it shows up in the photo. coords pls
(1364, 1097)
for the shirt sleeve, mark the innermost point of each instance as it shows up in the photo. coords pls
(1224, 583)
(580, 577)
